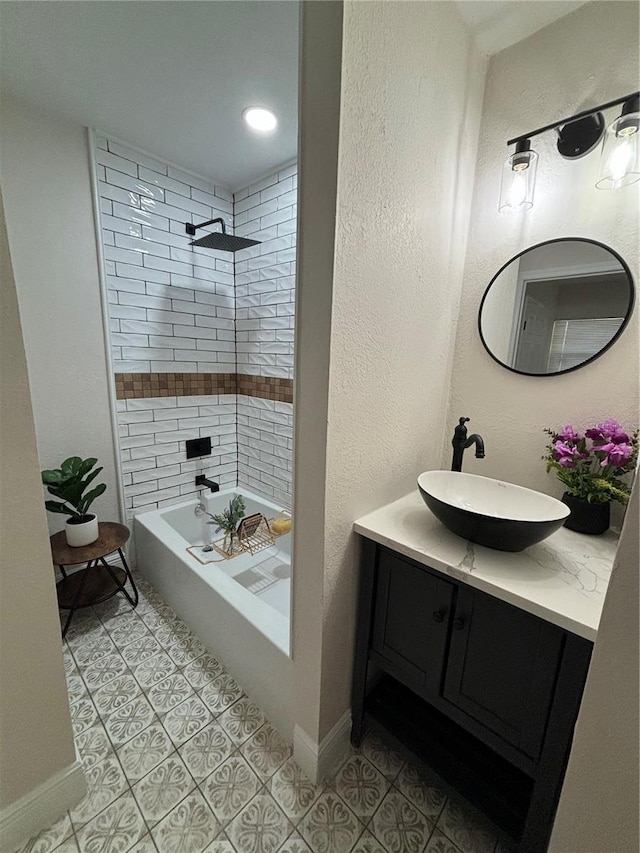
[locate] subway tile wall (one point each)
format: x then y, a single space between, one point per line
265 275
174 308
265 447
265 317
153 432
171 305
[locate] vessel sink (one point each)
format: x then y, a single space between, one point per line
492 513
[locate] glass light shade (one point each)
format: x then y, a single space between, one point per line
518 182
620 157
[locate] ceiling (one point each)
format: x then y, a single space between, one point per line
497 24
174 77
170 77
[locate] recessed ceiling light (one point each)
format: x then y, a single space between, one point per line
260 119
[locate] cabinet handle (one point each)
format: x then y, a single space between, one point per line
459 623
438 615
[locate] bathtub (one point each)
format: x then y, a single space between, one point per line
239 608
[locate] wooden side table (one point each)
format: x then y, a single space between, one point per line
98 581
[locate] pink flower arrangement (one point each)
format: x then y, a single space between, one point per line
591 465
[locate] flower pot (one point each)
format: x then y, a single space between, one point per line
80 533
592 519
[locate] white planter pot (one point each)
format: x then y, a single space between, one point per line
79 535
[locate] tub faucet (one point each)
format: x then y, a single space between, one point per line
460 442
201 480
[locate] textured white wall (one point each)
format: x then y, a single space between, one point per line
598 809
36 738
44 167
411 100
587 58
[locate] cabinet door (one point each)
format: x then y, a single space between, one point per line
502 668
411 620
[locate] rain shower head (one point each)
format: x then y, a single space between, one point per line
219 240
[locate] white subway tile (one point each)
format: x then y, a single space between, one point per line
162 180
159 208
144 450
122 226
169 342
128 271
144 301
160 496
117 163
124 256
166 290
193 180
132 199
178 435
138 157
175 412
137 465
180 240
288 227
194 332
288 199
153 427
152 262
146 247
130 285
152 403
276 190
279 216
157 354
131 366
175 367
163 316
197 308
121 339
188 204
262 184
135 185
140 216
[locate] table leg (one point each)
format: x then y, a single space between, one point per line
121 586
76 597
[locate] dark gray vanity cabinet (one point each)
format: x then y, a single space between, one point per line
502 667
410 624
485 692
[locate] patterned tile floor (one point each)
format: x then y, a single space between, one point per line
179 760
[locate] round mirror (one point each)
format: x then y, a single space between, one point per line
556 306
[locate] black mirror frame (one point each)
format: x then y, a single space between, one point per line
600 352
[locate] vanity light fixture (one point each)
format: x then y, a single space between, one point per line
620 157
518 179
260 119
578 135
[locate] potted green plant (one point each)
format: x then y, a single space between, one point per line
69 483
228 521
591 465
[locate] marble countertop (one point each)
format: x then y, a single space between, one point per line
563 579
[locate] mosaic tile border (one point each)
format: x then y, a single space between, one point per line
131 386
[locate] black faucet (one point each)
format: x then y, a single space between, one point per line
201 480
460 443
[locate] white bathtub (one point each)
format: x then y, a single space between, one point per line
239 608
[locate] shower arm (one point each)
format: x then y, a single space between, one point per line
191 229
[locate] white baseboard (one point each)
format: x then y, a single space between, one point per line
319 761
42 807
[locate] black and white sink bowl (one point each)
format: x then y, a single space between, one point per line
490 512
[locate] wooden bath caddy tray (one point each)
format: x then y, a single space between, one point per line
254 534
